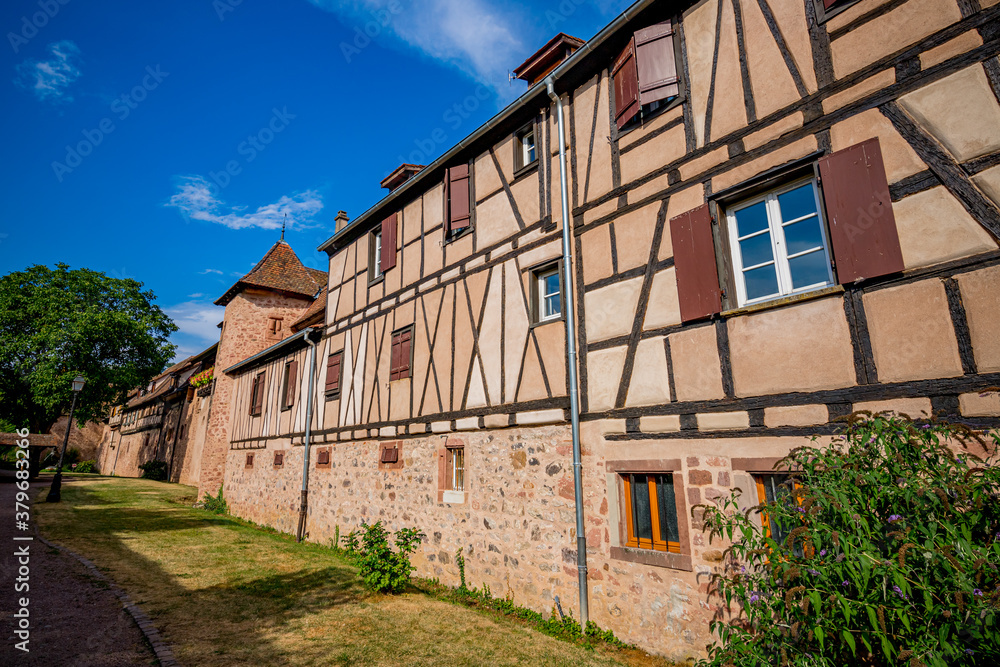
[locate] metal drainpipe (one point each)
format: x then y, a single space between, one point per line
117 450
305 443
574 397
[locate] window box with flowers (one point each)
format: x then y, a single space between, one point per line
203 381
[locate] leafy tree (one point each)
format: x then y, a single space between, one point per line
890 557
58 323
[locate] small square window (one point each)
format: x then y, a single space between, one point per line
525 152
779 244
249 461
279 459
546 293
390 454
401 354
274 328
375 255
651 512
323 457
456 469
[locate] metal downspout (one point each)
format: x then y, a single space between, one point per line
117 450
574 397
308 437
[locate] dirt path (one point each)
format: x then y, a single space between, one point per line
75 620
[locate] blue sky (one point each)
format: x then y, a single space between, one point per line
122 119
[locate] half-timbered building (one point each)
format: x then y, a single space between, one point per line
782 211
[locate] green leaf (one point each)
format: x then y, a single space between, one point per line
849 639
820 636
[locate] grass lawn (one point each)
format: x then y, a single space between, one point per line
224 592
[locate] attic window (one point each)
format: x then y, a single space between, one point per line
645 75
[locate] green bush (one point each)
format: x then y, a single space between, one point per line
215 504
385 570
86 466
891 555
155 470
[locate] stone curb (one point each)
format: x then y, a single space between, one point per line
163 651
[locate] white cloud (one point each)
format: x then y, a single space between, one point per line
49 79
208 271
196 320
476 36
196 200
196 295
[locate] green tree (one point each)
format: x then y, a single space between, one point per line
58 323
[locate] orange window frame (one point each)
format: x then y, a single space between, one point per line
633 540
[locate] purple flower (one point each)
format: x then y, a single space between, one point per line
814 573
977 592
899 592
925 426
845 583
822 552
801 509
895 517
754 598
969 651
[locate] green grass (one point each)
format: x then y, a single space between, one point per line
223 591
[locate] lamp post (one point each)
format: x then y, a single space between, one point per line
55 492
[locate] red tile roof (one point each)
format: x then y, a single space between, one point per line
279 270
314 315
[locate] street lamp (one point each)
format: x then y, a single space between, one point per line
55 492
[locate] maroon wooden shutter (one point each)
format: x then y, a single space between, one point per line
333 363
293 369
626 79
459 208
253 394
405 348
258 397
656 64
694 262
859 213
388 243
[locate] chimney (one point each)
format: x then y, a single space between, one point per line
547 58
341 220
400 175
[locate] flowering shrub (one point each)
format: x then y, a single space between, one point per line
203 378
891 555
385 570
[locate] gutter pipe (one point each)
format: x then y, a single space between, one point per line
524 100
574 397
308 436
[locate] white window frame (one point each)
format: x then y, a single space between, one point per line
775 227
375 257
453 469
541 295
527 149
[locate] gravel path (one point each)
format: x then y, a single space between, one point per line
76 621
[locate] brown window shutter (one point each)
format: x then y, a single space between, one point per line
388 243
694 262
333 363
827 4
253 394
293 371
626 78
258 402
459 208
859 213
405 345
656 63
394 357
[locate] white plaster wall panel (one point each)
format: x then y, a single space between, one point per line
650 383
934 227
610 311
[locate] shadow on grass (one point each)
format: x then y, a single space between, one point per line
217 624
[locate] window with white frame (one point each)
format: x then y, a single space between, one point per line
375 255
779 243
547 293
456 469
524 147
